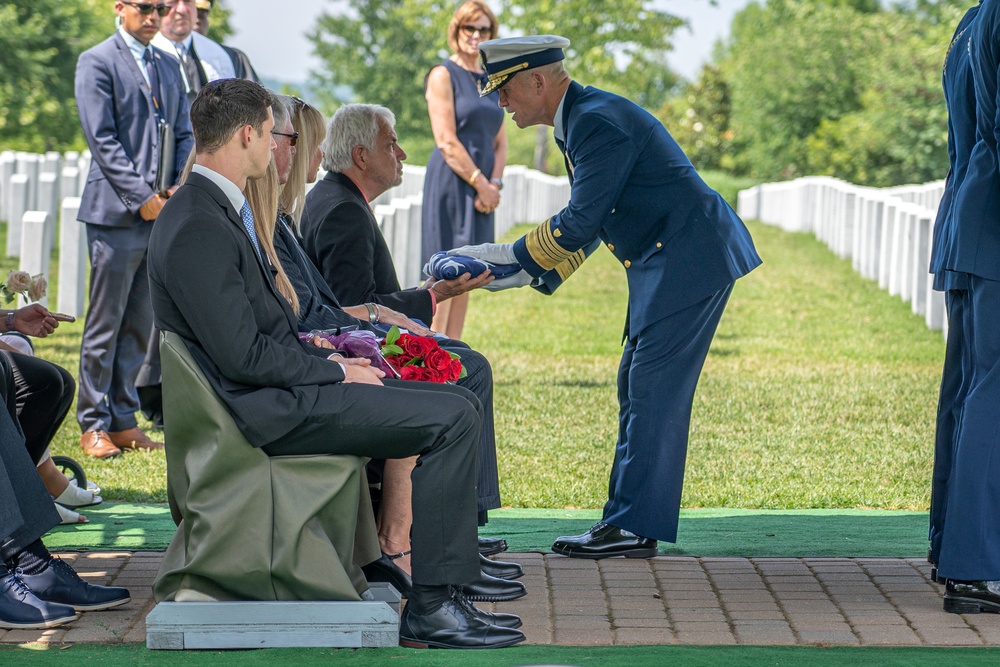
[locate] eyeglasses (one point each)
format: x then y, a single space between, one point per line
147 8
292 138
471 30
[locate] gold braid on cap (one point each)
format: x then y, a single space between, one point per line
496 79
543 248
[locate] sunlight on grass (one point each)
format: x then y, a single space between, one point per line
819 391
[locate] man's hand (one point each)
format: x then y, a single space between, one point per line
519 279
446 289
390 317
151 208
361 373
494 253
34 320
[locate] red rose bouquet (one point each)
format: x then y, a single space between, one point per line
420 358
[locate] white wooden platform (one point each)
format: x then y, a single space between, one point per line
242 625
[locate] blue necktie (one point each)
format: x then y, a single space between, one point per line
154 81
247 216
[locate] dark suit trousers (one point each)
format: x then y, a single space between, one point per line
656 382
440 423
955 380
44 395
26 510
970 546
116 333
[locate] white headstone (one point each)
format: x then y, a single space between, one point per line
69 185
18 207
51 162
30 163
34 254
73 260
8 163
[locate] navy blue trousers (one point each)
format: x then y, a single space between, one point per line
970 545
656 381
955 380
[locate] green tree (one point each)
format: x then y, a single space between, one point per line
698 119
40 41
218 26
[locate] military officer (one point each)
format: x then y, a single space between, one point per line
682 247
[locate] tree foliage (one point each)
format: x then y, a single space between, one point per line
698 118
40 41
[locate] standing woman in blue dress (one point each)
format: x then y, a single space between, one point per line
463 182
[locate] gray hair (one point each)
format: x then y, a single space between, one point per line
281 108
353 125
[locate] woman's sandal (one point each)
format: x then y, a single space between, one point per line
395 556
68 517
74 497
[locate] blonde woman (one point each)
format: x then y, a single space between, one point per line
464 174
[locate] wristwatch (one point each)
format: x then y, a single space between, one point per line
497 182
9 322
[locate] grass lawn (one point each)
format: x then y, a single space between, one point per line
819 391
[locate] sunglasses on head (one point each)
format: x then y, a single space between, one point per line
471 30
147 8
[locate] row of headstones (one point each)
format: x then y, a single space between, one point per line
528 196
885 232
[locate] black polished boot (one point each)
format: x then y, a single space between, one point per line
491 589
493 618
452 625
491 546
500 569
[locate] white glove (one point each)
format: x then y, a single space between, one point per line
494 253
519 279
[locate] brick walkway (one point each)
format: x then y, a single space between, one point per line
764 601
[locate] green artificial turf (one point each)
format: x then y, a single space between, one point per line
702 532
819 391
601 656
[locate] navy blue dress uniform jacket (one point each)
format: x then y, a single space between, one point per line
120 124
634 188
960 98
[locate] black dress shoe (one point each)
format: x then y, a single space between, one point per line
385 571
972 597
61 584
500 569
20 609
604 541
501 620
452 626
491 589
491 546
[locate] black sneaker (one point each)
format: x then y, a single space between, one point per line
61 584
20 609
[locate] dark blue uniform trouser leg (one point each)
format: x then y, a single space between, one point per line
656 382
970 545
955 380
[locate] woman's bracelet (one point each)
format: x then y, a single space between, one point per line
374 312
475 175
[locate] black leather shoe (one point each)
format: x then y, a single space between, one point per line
512 621
61 584
491 546
452 626
491 589
972 597
500 569
20 609
385 571
604 541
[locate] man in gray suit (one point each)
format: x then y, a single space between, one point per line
124 90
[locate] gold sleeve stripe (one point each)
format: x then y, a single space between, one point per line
566 269
542 247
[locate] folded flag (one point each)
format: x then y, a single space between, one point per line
443 266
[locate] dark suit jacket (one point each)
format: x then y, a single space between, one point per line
208 285
120 125
341 236
633 187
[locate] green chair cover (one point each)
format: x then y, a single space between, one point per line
254 527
